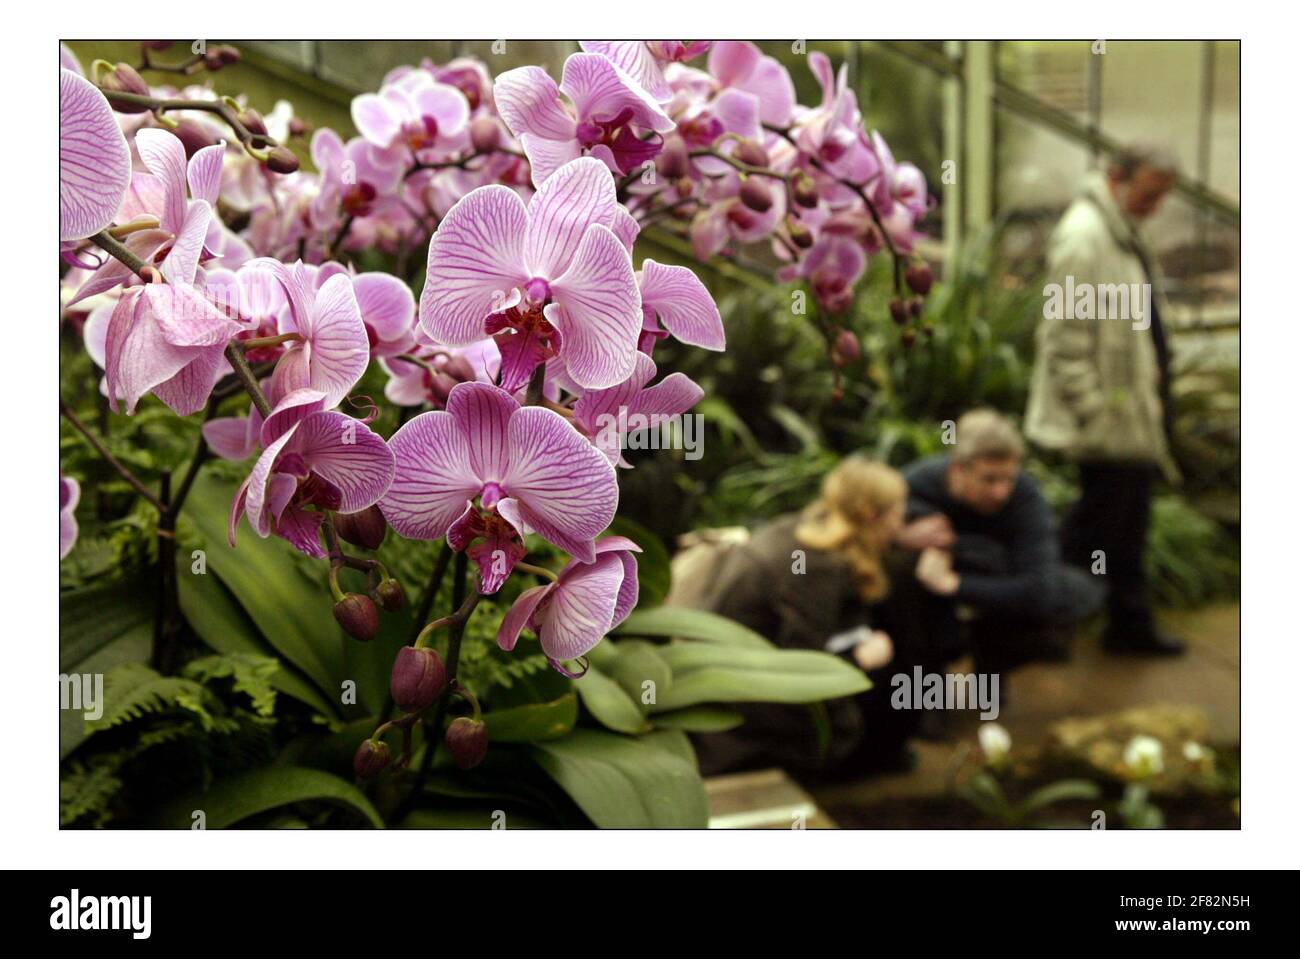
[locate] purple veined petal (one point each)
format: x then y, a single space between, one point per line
483 412
256 499
739 112
562 486
301 529
446 104
595 404
188 391
145 197
683 304
376 119
290 411
339 348
164 155
69 496
732 61
347 453
94 159
601 311
625 227
139 356
95 332
529 102
496 555
204 173
771 83
820 65
577 195
581 609
709 232
292 373
672 396
517 617
386 303
296 286
546 156
601 91
326 150
279 493
475 264
633 57
630 590
186 317
68 60
233 437
432 479
182 261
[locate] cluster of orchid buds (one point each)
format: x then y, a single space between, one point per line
228 268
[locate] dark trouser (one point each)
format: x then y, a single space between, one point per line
1112 515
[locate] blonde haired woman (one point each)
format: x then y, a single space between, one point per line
817 579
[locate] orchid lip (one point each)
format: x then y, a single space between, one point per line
537 291
491 495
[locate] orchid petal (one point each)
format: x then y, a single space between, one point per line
517 617
682 303
601 91
340 350
204 173
348 454
483 412
529 102
577 195
601 320
581 609
433 477
164 155
94 159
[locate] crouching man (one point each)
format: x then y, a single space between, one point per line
984 530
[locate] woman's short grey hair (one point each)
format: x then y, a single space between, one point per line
1130 159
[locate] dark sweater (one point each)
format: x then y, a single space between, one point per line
1005 559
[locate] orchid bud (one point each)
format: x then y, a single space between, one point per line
297 127
159 44
222 55
358 616
800 235
370 759
281 160
123 78
919 278
846 348
484 134
908 337
673 162
898 310
251 119
467 741
748 151
366 528
914 307
755 195
418 678
194 135
805 191
388 594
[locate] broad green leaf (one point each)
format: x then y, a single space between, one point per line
290 609
704 673
606 700
93 618
699 719
236 798
639 662
620 782
533 721
690 624
217 619
1062 791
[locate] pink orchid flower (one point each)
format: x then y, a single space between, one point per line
609 416
69 495
415 113
743 66
355 177
94 160
571 615
334 350
529 468
313 459
168 338
554 273
180 193
674 296
644 60
611 118
411 384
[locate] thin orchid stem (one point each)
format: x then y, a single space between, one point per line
112 460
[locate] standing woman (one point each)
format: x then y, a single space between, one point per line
817 580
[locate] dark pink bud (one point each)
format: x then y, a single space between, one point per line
846 348
253 121
358 616
297 127
755 195
159 44
484 134
370 759
194 135
898 310
418 678
919 278
915 306
388 594
800 235
124 79
467 741
805 191
747 151
366 528
672 161
281 160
